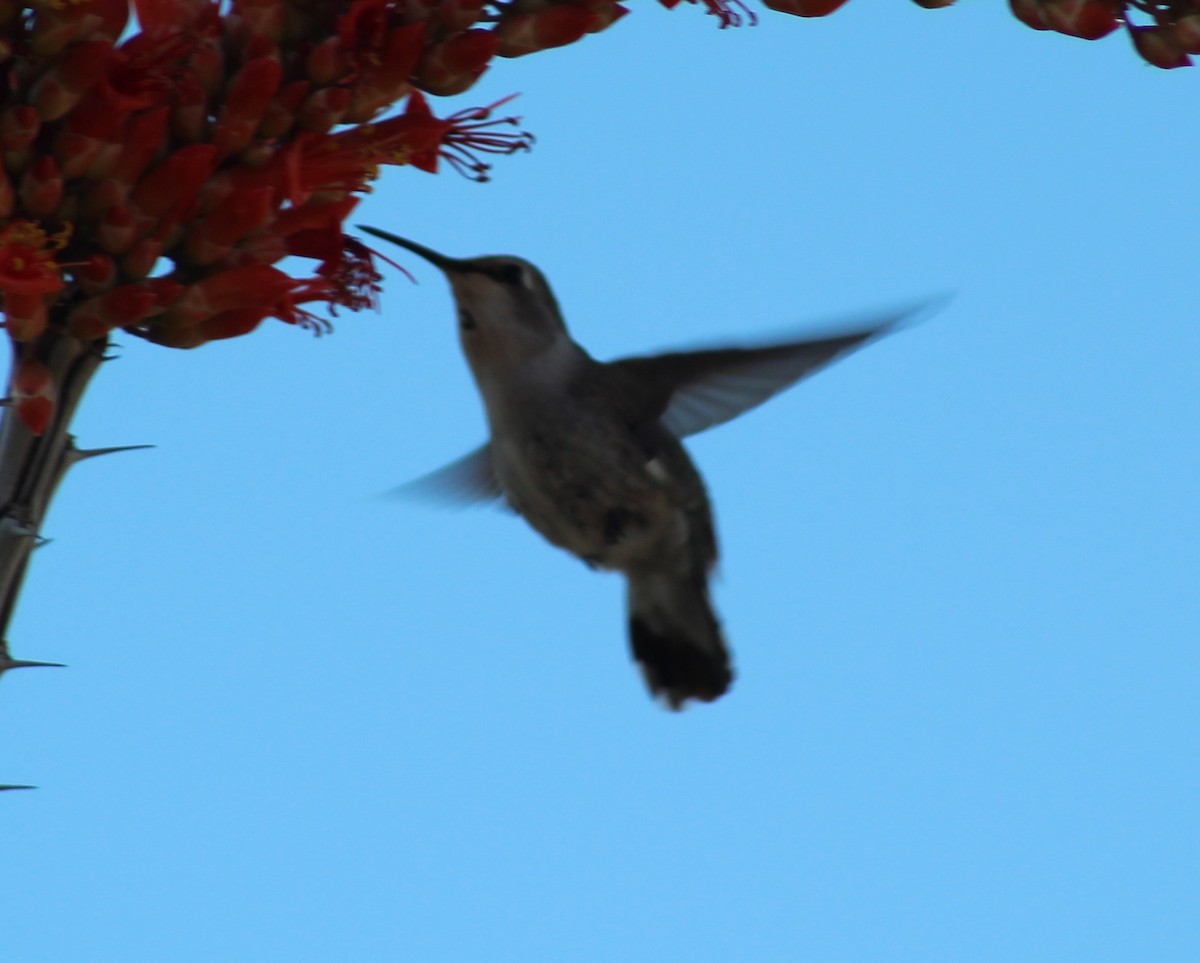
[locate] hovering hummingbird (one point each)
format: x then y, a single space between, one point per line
590 453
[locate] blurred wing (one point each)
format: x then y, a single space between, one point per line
468 481
692 391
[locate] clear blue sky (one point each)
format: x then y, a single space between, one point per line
960 569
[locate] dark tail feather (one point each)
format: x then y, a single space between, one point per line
676 640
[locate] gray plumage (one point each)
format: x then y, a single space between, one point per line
590 453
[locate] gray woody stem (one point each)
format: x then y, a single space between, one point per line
31 466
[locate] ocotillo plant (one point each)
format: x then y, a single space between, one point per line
153 181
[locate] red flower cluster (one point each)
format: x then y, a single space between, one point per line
154 183
1170 34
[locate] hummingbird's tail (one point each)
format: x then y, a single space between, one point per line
676 639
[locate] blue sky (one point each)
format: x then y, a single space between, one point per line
304 722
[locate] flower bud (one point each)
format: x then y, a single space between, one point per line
280 115
121 307
19 126
62 86
1186 33
453 65
41 188
237 214
1158 47
327 62
804 8
555 26
116 232
96 275
143 138
1087 19
33 394
139 260
7 195
607 13
456 15
250 92
1030 12
25 315
170 189
324 110
263 17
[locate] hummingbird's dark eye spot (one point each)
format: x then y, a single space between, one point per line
466 321
510 274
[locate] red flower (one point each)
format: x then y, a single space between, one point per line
155 183
28 272
458 138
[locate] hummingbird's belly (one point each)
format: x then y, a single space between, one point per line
609 506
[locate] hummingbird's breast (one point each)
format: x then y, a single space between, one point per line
588 481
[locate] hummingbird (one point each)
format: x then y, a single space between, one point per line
590 453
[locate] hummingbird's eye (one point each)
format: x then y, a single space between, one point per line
510 274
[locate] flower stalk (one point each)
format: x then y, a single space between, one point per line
33 463
167 181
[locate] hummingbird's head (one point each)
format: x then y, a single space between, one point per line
506 310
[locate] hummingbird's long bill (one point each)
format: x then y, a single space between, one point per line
430 255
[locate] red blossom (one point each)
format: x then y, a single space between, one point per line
27 259
419 138
28 274
154 180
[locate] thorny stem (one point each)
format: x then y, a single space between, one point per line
32 466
